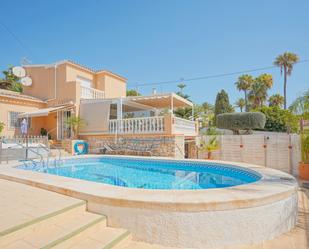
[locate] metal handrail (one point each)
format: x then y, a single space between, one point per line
20 145
30 149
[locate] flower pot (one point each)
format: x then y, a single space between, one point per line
303 171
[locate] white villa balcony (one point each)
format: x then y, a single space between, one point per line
136 115
153 125
91 93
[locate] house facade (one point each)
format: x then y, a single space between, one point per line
65 89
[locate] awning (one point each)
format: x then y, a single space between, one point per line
162 100
43 112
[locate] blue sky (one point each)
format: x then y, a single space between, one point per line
153 41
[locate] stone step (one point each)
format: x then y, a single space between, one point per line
142 245
53 230
97 237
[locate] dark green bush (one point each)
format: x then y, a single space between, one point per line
241 121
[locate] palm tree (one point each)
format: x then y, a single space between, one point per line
300 105
210 146
257 95
244 83
241 103
286 62
258 92
10 81
276 100
75 123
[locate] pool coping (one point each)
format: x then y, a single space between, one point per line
274 186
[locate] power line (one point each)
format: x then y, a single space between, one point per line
210 76
21 44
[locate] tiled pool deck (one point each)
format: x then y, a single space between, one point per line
22 204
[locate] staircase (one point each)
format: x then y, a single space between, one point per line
55 147
72 227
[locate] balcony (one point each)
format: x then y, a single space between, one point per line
91 93
153 125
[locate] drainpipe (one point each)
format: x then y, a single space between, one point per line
55 81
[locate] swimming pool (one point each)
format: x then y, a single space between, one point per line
151 174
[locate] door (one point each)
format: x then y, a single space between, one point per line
63 129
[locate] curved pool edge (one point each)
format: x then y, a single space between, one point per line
209 218
273 186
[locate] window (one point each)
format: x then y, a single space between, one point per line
14 121
84 82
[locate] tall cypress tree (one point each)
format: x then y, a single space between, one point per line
222 104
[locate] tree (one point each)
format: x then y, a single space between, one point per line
75 123
10 81
240 103
279 120
222 104
181 86
241 121
133 92
210 146
286 62
258 93
244 83
300 105
276 100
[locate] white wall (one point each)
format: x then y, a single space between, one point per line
282 151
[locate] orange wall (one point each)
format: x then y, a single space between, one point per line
67 89
43 85
113 86
10 105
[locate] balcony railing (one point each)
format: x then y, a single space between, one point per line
151 125
91 93
137 125
184 126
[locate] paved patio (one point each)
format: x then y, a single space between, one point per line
22 204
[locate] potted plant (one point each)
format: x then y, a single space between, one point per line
304 164
75 123
210 146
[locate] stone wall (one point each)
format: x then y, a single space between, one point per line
158 145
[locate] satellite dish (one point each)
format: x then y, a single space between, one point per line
26 81
19 71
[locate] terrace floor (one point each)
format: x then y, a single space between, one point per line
23 205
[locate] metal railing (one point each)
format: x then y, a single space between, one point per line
22 145
91 93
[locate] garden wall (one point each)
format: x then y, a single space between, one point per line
279 151
160 145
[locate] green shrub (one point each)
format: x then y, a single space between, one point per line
305 147
241 121
1 127
279 120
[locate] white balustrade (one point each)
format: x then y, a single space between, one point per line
91 93
184 126
137 125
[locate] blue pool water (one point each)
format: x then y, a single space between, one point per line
151 174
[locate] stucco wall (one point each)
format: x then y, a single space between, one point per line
44 85
278 151
7 105
113 86
207 229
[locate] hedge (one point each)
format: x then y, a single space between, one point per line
241 121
